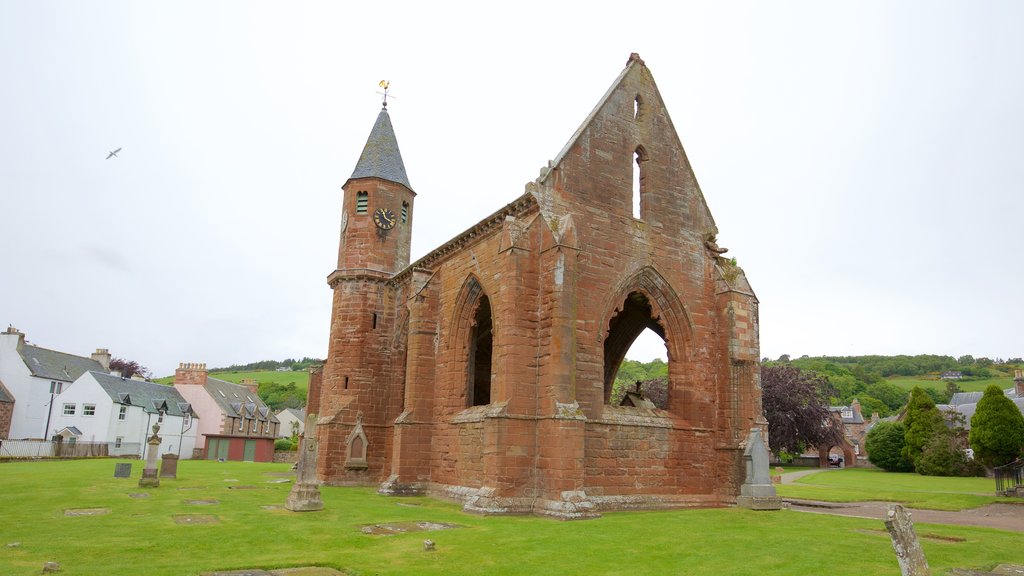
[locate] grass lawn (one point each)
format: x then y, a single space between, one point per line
912 489
908 382
300 378
140 535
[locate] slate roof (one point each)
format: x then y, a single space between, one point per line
55 365
299 413
236 400
5 394
149 395
856 419
73 429
965 398
381 157
970 408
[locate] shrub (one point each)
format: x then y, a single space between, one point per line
997 429
884 444
923 422
941 457
284 445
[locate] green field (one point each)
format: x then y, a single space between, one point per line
300 378
908 382
250 530
864 484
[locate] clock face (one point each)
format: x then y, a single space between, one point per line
384 218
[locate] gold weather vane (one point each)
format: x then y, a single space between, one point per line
384 84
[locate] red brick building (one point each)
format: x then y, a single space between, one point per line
482 371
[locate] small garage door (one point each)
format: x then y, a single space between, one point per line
250 451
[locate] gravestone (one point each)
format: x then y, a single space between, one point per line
169 466
122 470
757 491
904 541
149 473
305 493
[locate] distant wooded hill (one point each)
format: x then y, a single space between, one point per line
879 383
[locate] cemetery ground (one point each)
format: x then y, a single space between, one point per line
230 516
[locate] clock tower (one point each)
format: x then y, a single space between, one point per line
364 368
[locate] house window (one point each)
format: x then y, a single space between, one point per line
69 409
266 428
56 387
241 424
88 409
123 413
362 202
117 441
187 419
160 418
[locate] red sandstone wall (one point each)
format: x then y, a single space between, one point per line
555 278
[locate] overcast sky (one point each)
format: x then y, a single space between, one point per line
864 161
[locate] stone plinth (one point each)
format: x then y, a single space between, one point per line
149 473
757 491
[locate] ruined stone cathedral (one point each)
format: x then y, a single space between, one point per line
482 372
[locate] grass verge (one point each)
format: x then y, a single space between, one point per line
911 489
140 535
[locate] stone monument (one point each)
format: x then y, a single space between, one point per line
904 541
169 466
150 479
757 491
305 494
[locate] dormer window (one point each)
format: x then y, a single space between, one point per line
362 202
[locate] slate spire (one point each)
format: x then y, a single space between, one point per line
381 157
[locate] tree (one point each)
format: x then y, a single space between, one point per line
794 405
893 396
884 444
923 421
129 368
997 429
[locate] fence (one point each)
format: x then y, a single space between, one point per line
1010 478
48 449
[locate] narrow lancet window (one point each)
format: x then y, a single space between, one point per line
637 182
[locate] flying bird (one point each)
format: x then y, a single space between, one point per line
113 154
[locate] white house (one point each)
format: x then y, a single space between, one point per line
293 421
121 412
35 377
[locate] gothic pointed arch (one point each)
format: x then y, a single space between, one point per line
644 300
473 340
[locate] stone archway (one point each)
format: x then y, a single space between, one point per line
645 301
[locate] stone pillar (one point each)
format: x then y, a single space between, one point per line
757 491
169 466
149 473
905 543
561 427
305 493
410 461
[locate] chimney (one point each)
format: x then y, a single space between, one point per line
856 407
1018 383
14 332
102 355
190 373
251 384
874 417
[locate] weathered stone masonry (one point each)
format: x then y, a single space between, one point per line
482 371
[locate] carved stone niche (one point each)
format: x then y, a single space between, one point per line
355 454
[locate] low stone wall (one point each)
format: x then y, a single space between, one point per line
286 456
